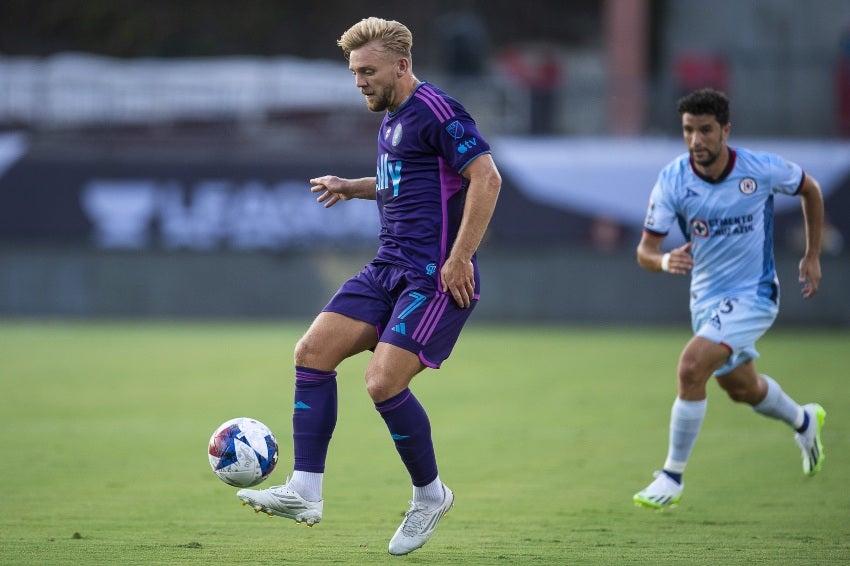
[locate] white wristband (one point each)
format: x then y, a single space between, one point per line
665 262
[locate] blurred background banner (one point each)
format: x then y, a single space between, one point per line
154 159
136 200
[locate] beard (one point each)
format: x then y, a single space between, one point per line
708 160
376 104
379 100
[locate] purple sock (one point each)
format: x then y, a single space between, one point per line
313 417
411 431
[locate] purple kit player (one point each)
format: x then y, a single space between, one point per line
436 187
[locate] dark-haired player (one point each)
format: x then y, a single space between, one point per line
722 197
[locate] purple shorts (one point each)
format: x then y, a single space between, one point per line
406 308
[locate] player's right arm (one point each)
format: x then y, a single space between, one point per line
650 256
660 215
333 189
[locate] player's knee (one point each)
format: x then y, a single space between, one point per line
306 353
691 381
738 394
743 385
690 372
380 387
741 392
377 389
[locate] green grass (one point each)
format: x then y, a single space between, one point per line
544 434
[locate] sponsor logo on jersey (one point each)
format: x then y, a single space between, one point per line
389 174
729 226
699 228
466 145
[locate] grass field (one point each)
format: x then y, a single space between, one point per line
544 434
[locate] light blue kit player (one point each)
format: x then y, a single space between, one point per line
722 198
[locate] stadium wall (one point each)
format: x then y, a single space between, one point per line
555 285
230 231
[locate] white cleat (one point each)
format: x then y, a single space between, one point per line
419 524
809 440
661 493
283 501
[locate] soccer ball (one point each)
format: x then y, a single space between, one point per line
243 452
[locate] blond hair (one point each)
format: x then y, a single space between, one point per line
394 36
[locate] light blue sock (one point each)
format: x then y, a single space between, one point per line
778 405
685 421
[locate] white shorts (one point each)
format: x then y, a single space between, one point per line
736 322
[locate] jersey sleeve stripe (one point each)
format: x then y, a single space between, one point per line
441 116
427 90
436 103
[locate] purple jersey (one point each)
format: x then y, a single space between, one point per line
422 149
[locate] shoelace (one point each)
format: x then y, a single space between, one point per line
279 490
414 519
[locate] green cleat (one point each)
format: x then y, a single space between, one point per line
809 440
661 493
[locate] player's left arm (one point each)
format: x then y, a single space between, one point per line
485 182
812 203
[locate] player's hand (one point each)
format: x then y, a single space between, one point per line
332 189
810 276
680 261
458 278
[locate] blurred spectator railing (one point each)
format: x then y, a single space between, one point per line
72 91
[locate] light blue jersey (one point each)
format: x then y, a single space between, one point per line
729 222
